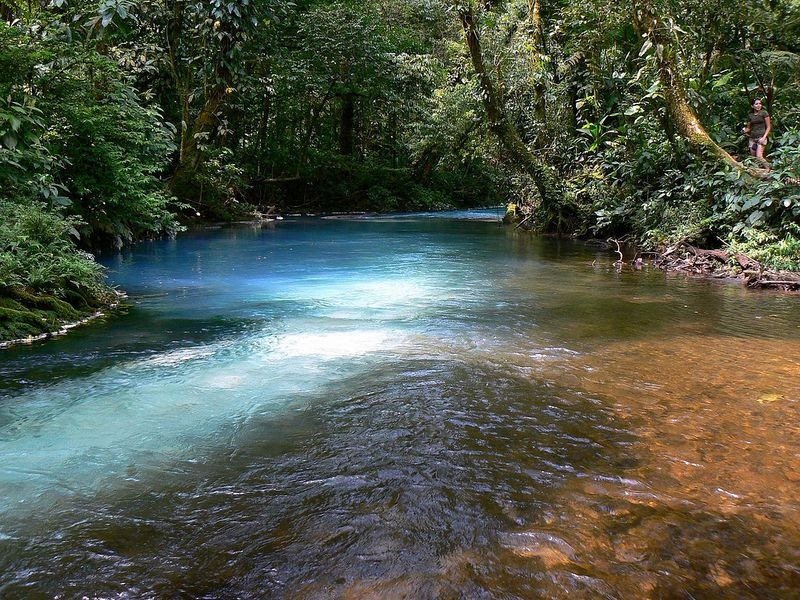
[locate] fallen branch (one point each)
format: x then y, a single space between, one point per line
777 282
676 246
720 255
518 225
618 250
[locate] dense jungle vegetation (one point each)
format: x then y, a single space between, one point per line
127 119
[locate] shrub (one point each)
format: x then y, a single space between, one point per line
37 251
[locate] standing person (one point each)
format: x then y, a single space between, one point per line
757 129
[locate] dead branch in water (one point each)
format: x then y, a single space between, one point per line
618 250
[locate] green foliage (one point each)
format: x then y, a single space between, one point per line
80 159
604 123
762 217
774 249
321 105
74 131
772 202
37 251
220 182
348 185
113 149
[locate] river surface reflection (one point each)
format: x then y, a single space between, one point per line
429 406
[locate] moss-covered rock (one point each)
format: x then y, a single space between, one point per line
80 302
20 322
45 302
11 304
25 312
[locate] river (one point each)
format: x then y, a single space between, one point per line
422 406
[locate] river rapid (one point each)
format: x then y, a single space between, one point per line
422 406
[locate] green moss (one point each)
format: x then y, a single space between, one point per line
25 313
14 330
29 317
80 301
9 303
45 302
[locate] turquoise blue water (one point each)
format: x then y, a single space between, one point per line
224 325
374 391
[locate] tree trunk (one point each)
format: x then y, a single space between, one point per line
347 124
536 33
190 152
544 177
687 123
193 130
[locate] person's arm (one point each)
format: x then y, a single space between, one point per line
768 121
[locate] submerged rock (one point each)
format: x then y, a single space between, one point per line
551 549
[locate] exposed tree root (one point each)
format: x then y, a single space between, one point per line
685 258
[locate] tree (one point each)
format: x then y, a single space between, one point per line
657 37
544 177
76 135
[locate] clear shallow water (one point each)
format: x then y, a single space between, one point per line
426 406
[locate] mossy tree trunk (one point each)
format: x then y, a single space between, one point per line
544 176
536 35
649 25
197 129
191 154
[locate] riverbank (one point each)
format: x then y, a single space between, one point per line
27 317
685 258
720 264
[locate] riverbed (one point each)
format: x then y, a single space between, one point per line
418 406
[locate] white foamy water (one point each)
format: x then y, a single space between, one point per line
316 320
90 434
333 345
384 298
